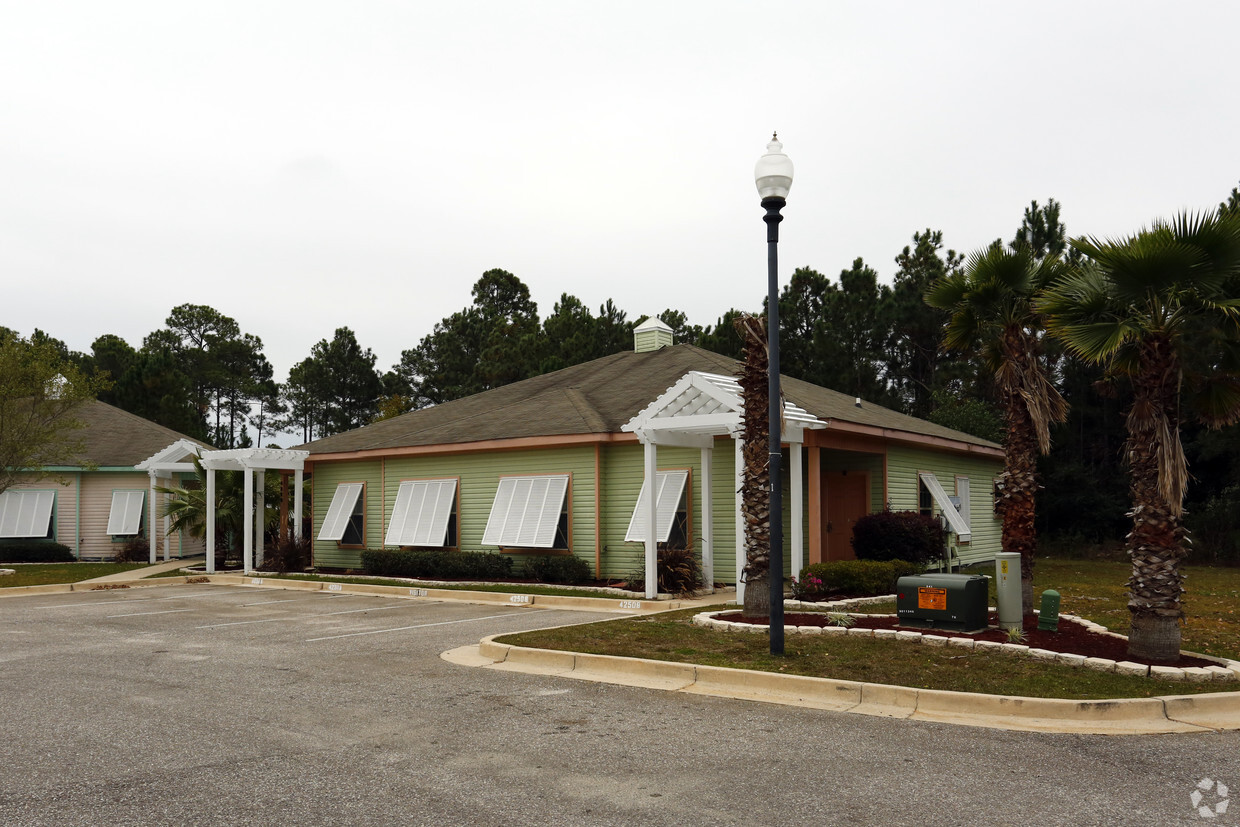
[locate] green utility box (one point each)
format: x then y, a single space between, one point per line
952 602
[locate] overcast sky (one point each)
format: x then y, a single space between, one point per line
306 165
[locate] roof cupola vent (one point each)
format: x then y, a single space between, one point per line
651 335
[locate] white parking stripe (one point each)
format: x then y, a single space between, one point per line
242 623
320 614
425 625
370 609
140 614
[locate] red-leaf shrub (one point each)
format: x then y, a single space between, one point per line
899 535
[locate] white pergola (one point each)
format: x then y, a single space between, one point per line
254 462
177 458
690 414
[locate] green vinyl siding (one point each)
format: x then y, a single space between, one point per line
623 470
479 475
325 478
622 480
903 466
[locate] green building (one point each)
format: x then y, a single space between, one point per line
556 464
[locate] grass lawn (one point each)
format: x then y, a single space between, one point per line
1093 589
40 574
1096 590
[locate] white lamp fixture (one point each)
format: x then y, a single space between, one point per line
773 172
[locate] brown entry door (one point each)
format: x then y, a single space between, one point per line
848 499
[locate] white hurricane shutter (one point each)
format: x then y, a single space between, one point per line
125 518
339 512
526 512
948 510
26 513
671 487
421 513
962 491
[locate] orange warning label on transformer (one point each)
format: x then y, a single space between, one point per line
929 597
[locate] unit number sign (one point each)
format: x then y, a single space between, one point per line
931 598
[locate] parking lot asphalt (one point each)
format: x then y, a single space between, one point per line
211 704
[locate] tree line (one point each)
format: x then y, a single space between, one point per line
202 375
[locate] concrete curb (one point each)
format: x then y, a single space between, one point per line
625 606
620 606
1120 716
1222 669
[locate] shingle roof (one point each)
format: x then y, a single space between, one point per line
116 438
596 398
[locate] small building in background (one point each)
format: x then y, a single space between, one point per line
105 500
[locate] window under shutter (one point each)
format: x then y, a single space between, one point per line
26 513
526 512
421 513
671 487
125 518
948 510
339 512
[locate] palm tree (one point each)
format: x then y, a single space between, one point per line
1162 308
991 302
755 478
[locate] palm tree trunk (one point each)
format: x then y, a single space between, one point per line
1018 501
1156 545
755 478
1020 457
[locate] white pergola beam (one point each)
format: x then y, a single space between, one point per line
708 517
798 510
650 506
210 503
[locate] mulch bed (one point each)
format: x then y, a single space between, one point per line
1072 637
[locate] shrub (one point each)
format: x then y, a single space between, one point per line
857 578
899 535
467 565
287 554
35 551
550 568
678 572
133 551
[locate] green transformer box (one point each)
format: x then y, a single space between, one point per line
952 602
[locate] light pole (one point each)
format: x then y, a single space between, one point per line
773 176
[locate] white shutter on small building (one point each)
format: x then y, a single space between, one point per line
671 487
26 513
962 491
339 512
957 522
526 511
125 517
421 514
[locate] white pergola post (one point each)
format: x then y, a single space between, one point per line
260 515
297 477
167 532
798 510
210 505
650 507
708 524
151 521
247 523
740 519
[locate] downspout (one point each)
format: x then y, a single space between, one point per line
598 499
77 519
